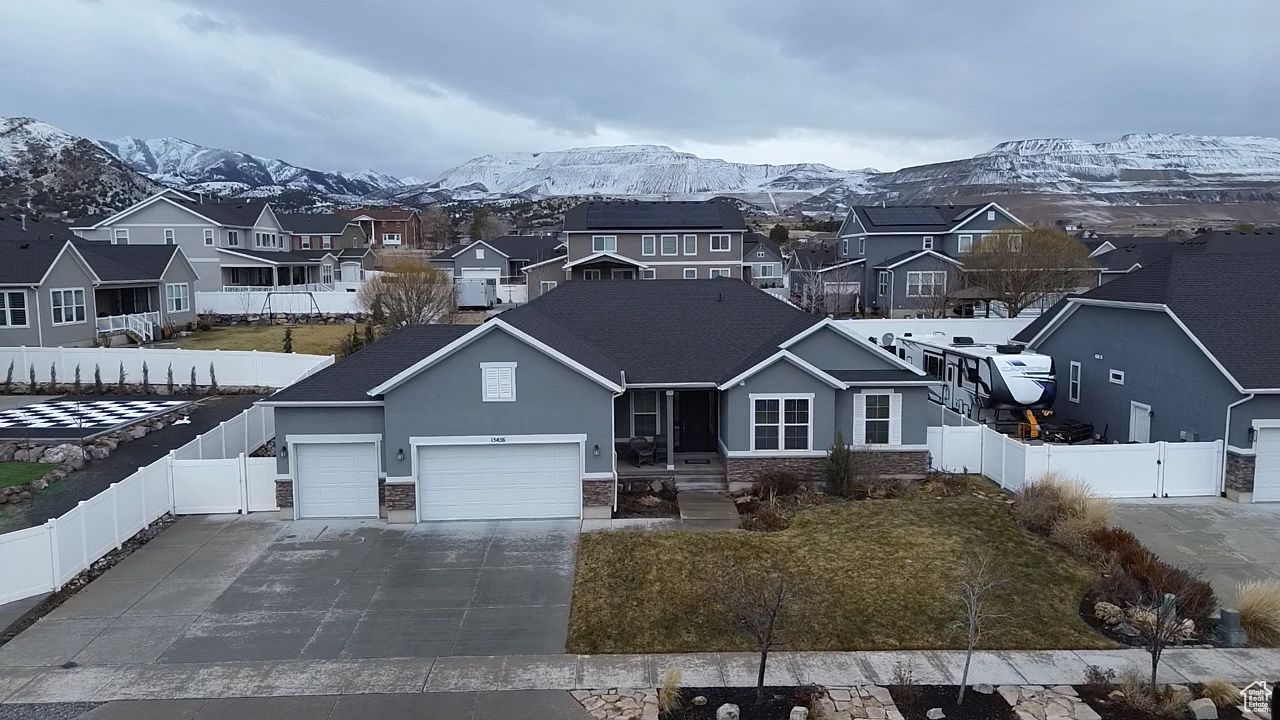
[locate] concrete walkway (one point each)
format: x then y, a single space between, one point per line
101 683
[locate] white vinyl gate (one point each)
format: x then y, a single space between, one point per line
1266 467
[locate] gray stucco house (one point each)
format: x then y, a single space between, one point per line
763 264
1182 350
907 255
58 290
530 414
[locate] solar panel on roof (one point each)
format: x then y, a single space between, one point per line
654 215
904 216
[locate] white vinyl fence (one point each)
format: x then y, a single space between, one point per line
982 330
234 368
1158 469
258 303
217 477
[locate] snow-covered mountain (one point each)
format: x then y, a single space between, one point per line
182 164
44 168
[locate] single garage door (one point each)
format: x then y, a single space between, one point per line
1266 468
337 480
499 481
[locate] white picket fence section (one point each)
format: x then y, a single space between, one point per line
217 477
257 303
1159 469
234 368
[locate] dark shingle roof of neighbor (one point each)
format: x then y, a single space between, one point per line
313 223
1217 297
515 247
350 379
1037 324
26 262
751 240
912 218
651 215
343 254
662 331
26 254
814 257
121 263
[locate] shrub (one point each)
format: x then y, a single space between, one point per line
669 690
1094 675
1037 507
837 467
213 381
1166 701
1259 604
1121 545
288 338
1079 501
766 517
1115 587
53 378
1073 535
945 484
192 387
168 381
8 379
120 380
1157 578
76 386
32 386
776 482
146 377
98 388
1222 692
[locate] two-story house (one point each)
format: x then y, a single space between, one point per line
232 245
340 245
390 227
909 256
763 262
643 240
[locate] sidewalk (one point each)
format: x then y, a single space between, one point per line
102 683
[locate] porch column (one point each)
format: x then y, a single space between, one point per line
671 424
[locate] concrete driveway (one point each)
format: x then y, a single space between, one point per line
225 589
1229 541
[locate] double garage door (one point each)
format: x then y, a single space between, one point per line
455 482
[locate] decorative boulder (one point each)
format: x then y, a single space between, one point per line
699 700
935 714
983 688
1204 709
39 484
1108 613
799 713
727 711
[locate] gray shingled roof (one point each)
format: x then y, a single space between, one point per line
26 254
275 256
26 262
313 223
751 240
350 379
653 215
124 263
233 213
911 218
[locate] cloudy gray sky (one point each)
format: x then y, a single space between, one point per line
414 87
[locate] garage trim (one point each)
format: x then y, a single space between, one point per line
292 441
580 439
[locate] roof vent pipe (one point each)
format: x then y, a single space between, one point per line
24 221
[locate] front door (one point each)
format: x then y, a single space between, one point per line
694 430
1139 422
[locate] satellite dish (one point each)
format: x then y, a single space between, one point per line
887 339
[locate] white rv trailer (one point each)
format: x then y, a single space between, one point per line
978 381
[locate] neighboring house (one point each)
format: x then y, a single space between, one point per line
822 281
763 263
525 416
58 290
322 231
652 241
1118 255
910 254
1182 350
498 258
233 245
390 227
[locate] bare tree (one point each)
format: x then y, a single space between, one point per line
979 578
766 605
1158 627
1024 266
437 227
485 225
409 292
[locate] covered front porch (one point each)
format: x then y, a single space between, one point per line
674 431
128 310
606 266
301 277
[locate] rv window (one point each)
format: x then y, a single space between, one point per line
973 375
933 365
951 373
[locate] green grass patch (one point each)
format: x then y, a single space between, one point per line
307 339
882 575
21 473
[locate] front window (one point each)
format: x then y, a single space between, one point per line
168 236
305 242
877 419
390 238
177 297
68 306
1015 242
928 242
648 244
121 236
927 283
546 285
844 247
233 238
883 284
765 270
720 272
720 243
326 273
862 246
780 423
208 237
604 243
649 274
13 308
1073 383
622 274
964 243
690 244
644 413
691 273
670 244
591 274
326 243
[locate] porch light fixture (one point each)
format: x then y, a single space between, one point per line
400 454
595 451
284 451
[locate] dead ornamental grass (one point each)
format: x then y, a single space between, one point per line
881 572
1259 604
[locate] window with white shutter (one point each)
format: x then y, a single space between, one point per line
877 418
499 381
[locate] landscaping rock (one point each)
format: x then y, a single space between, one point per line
1204 709
727 711
839 694
656 486
137 432
935 714
39 484
983 688
699 700
98 452
799 713
1108 613
6 451
1010 694
1126 630
24 495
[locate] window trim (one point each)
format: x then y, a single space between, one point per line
782 421
1115 377
991 216
728 242
327 268
233 238
6 313
882 284
714 273
485 367
387 238
656 414
648 274
609 245
1074 374
546 286
685 274
862 245
326 242
894 437
209 237
479 253
932 283
844 247
927 242
662 244
964 243
591 274
118 234
304 242
648 245
84 304
684 244
170 236
184 295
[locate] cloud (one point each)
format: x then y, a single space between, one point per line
415 87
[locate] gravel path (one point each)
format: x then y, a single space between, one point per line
45 711
83 484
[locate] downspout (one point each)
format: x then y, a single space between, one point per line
1226 443
613 432
35 294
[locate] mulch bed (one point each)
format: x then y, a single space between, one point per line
914 703
778 702
1096 697
79 582
633 505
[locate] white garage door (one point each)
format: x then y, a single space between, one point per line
1266 469
337 480
494 273
499 481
